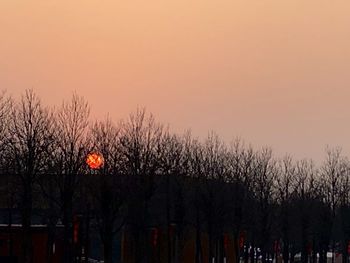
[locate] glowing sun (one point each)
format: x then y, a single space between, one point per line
94 160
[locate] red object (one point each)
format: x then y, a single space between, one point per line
95 160
241 240
39 236
309 248
348 247
171 230
226 241
155 236
277 247
75 230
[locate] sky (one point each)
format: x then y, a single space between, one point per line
272 72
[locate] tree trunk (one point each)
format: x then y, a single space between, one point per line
87 236
345 252
108 248
252 254
303 241
68 233
285 251
50 240
323 255
246 253
210 244
168 218
10 252
292 254
236 247
198 258
26 225
314 252
263 256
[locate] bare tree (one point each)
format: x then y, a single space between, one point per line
264 177
108 187
344 209
6 104
141 138
6 108
194 176
333 174
195 172
241 167
7 186
30 136
306 191
214 195
173 167
72 121
285 186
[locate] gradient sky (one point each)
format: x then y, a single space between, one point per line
274 72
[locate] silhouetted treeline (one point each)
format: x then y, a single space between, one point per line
152 177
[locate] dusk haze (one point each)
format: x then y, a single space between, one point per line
272 72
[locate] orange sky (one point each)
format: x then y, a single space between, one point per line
273 72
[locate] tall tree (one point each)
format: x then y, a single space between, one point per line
30 136
344 210
285 185
108 186
240 177
6 104
194 153
7 186
141 138
173 168
306 191
71 146
214 198
333 173
264 178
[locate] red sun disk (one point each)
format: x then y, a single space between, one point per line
94 160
